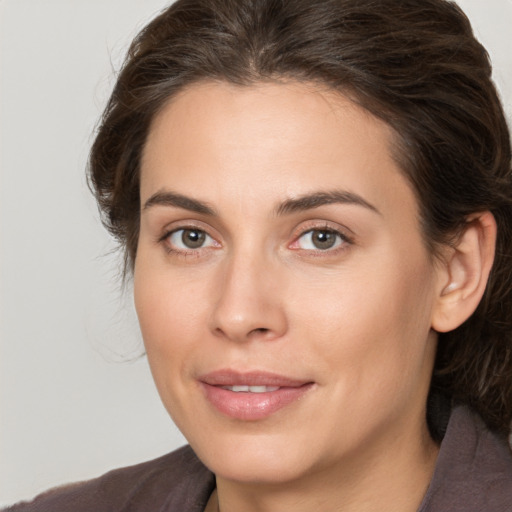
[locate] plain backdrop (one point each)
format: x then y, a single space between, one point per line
76 400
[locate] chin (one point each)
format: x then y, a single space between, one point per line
258 468
256 458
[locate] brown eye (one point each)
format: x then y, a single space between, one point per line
186 239
323 239
320 240
193 238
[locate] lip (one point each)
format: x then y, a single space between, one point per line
251 406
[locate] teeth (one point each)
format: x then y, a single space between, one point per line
239 389
262 389
251 389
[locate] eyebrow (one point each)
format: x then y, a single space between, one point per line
168 198
296 204
317 199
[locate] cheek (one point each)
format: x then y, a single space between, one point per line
371 325
168 316
167 302
171 327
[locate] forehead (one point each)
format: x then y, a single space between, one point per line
270 140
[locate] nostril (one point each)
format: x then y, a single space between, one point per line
261 330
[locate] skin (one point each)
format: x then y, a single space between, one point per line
355 319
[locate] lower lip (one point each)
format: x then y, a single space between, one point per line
253 406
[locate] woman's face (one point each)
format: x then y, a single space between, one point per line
284 293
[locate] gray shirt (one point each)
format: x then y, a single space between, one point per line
473 474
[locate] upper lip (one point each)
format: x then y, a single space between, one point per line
227 377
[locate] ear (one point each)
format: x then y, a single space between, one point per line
464 272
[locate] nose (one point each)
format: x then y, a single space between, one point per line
249 301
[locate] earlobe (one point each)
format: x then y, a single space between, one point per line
464 273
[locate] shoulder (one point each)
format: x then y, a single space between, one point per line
474 468
176 481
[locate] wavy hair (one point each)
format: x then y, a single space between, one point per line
413 63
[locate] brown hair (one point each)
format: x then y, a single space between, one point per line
414 63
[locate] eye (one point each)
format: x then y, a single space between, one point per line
186 239
320 240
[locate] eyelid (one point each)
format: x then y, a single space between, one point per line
345 234
185 225
207 239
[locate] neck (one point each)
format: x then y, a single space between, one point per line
392 478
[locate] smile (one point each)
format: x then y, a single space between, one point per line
251 396
251 389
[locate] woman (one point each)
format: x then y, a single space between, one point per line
315 200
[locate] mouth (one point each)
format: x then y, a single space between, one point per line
251 389
251 396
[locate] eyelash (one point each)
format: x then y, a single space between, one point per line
165 241
341 242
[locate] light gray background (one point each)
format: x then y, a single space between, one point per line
69 409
